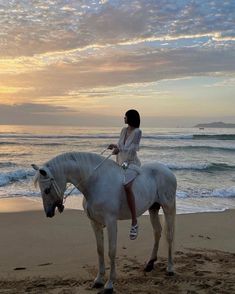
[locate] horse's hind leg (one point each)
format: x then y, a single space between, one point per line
98 230
170 226
157 229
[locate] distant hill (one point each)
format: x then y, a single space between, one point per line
215 125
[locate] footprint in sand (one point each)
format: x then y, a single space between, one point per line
24 268
204 237
45 264
19 268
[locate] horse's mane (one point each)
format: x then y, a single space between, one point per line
54 164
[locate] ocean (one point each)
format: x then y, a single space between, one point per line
202 160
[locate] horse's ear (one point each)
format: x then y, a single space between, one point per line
43 172
34 166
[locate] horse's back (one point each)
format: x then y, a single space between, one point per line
159 170
165 180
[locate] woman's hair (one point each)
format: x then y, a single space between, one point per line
133 118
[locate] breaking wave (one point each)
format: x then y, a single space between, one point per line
15 176
207 167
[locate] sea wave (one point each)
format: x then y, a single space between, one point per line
19 154
227 192
9 143
215 137
50 144
7 164
191 137
207 167
15 176
116 136
224 192
190 148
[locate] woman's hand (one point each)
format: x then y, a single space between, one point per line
115 151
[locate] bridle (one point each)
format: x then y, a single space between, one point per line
53 183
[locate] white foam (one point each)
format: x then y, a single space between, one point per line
202 166
181 194
14 176
225 192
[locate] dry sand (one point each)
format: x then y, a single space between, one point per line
58 255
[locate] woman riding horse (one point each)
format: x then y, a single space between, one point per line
125 150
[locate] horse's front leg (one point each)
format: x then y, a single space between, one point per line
98 230
112 238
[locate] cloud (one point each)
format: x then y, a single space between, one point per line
62 46
32 114
30 108
34 27
119 67
43 114
84 53
229 82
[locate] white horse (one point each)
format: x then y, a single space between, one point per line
105 200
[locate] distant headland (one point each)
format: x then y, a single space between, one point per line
215 125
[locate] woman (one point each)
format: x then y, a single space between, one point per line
125 150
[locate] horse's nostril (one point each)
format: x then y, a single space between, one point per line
60 208
47 190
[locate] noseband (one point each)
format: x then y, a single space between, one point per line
58 191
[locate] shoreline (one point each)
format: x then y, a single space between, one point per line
42 255
184 206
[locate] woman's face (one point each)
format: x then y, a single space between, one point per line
125 119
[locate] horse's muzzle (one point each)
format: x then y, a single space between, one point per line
50 212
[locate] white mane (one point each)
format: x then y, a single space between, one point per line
81 158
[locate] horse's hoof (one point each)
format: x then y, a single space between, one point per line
106 291
150 266
170 274
98 285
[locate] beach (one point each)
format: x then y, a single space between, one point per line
58 255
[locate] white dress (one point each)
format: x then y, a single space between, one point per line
128 147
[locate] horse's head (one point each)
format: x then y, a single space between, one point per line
51 190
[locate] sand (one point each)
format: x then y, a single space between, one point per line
58 255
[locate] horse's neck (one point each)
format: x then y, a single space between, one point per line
80 168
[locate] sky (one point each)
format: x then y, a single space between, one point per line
85 63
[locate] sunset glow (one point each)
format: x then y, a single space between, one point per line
170 60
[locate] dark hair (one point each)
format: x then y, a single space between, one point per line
133 118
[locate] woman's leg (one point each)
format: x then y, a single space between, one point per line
131 202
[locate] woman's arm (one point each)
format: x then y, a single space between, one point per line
116 147
133 146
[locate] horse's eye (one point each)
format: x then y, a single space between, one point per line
47 190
